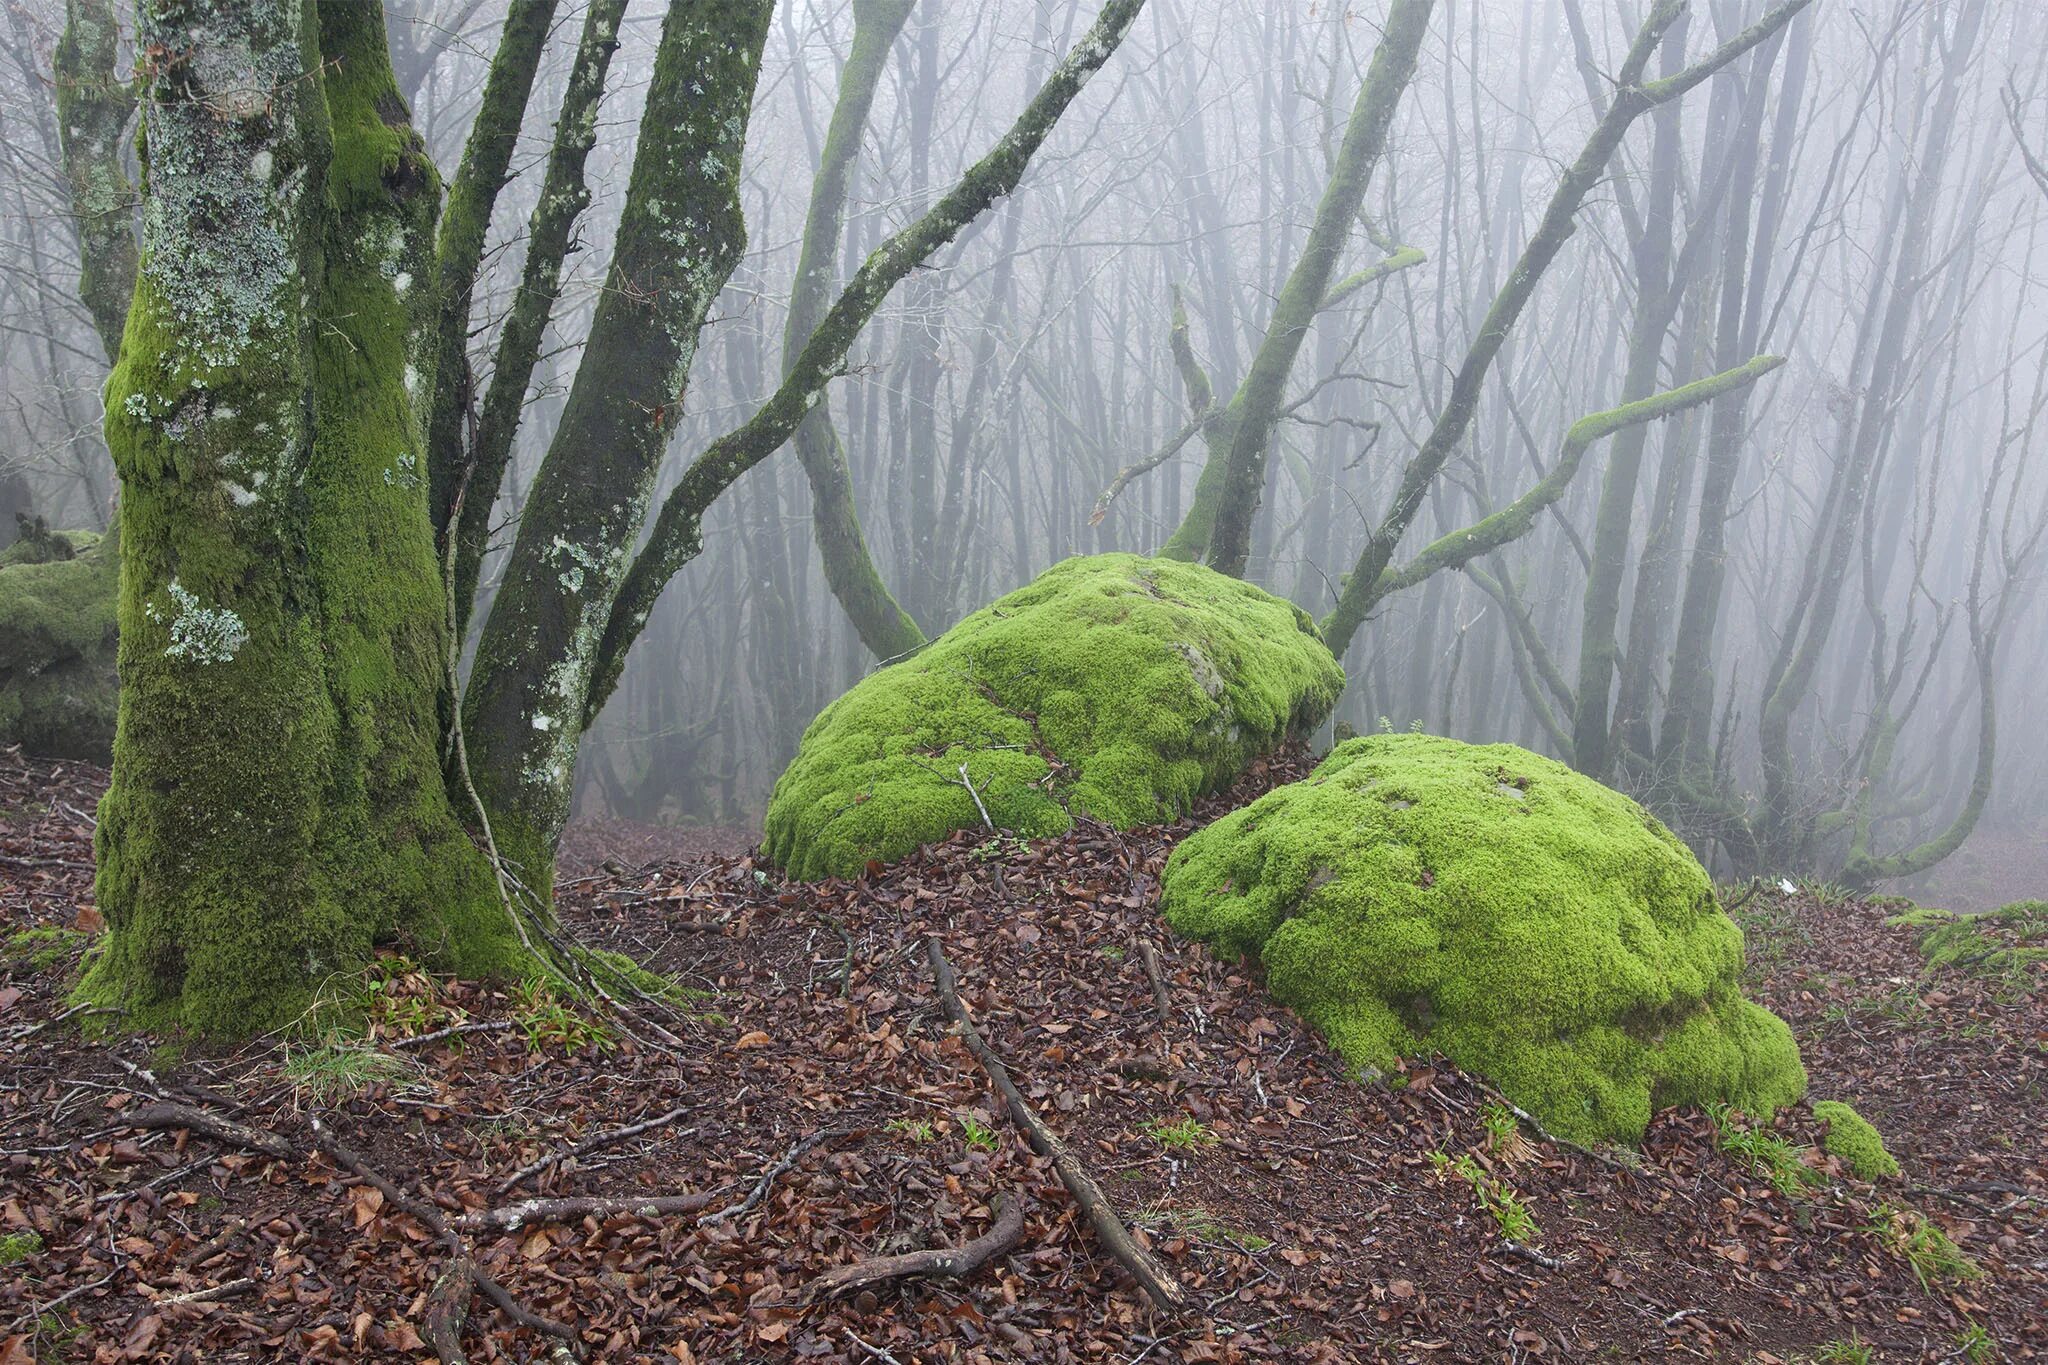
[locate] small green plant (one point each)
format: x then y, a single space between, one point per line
391 995
1180 1135
1002 846
17 1247
1975 1345
1503 1133
917 1130
1850 1352
1113 953
338 1069
1495 1195
1935 1258
1765 1153
980 1137
548 1021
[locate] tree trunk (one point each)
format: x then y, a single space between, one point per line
276 806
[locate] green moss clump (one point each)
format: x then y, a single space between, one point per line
2001 942
1113 686
43 948
1853 1138
58 638
17 1247
1416 895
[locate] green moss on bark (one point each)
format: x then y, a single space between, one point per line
1417 895
1852 1137
1112 685
57 642
277 806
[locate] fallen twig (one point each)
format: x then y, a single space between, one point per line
476 1026
952 1263
1529 1253
174 1116
226 1290
1153 1277
527 1211
874 1352
768 1178
1536 1124
1150 957
216 1244
589 1144
428 1217
965 782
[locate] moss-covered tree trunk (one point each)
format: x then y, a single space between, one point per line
276 805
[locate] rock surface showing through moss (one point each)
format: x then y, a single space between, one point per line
57 642
1416 894
1113 686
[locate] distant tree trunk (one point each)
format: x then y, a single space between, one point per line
884 627
93 110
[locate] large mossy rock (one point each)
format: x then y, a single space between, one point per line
58 640
1113 686
1416 895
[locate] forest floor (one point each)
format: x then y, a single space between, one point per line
821 1112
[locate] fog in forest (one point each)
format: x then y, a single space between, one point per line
1800 617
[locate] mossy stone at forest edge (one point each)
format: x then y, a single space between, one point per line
1114 686
1416 895
1855 1140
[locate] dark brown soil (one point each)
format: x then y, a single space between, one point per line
1302 1210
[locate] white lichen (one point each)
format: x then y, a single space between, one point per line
199 634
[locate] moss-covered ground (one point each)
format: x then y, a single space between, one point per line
1417 895
1111 686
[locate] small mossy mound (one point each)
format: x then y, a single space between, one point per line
1416 895
1853 1138
58 639
1113 686
2005 942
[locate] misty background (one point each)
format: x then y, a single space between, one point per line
1857 198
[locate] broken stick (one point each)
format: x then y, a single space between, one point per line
1158 1284
951 1263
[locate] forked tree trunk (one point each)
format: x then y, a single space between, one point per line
277 805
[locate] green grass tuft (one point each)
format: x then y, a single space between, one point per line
339 1069
1180 1135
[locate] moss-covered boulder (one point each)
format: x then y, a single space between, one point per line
57 644
1112 685
1416 895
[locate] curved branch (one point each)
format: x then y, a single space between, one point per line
677 536
1632 99
1515 520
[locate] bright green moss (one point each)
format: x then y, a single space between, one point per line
2002 942
1112 685
57 643
1851 1137
1416 895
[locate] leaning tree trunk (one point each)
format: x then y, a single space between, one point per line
277 806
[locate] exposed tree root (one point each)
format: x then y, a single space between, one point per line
952 1263
1158 1284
